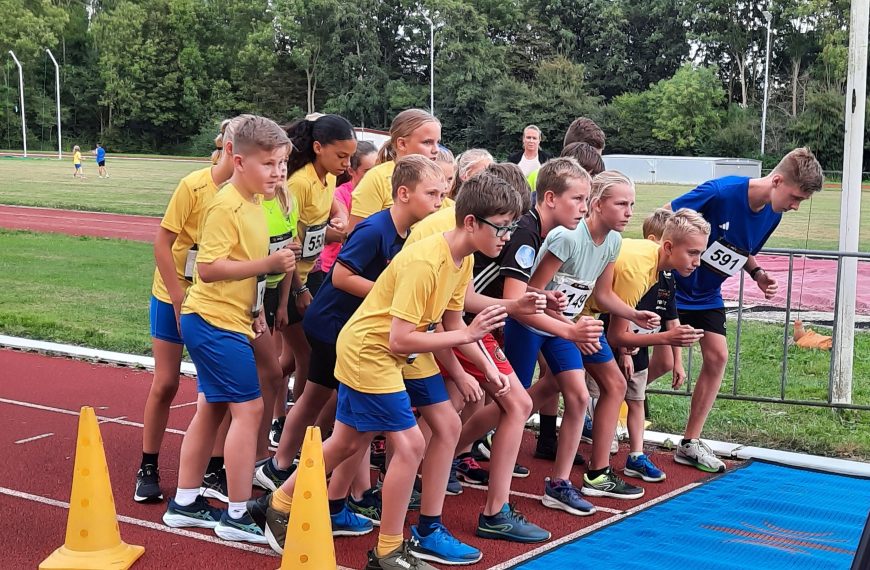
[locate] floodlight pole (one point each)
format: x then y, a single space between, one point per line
57 98
21 98
431 64
850 203
769 17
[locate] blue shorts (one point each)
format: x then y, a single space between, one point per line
225 367
374 412
427 391
163 325
602 356
521 346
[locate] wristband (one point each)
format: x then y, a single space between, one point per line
754 272
301 290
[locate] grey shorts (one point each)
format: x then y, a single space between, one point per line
635 391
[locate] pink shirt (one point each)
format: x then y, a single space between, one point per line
330 252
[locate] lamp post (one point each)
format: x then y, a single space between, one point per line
21 99
57 98
769 17
431 63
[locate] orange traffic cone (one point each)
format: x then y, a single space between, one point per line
309 534
93 539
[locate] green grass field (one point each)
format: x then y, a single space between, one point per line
144 187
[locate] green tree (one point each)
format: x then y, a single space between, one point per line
687 107
821 126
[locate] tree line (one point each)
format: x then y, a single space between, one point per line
660 76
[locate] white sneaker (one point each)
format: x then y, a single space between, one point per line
699 455
614 445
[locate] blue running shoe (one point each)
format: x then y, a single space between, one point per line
242 529
348 523
641 466
587 429
368 507
561 494
197 514
509 524
454 487
442 547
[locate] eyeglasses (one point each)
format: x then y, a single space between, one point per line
500 231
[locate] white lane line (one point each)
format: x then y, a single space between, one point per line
34 438
584 531
184 405
112 420
76 413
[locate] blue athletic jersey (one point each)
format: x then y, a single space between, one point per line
101 154
367 252
724 203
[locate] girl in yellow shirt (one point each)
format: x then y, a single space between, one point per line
77 163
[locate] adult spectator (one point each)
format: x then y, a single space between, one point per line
531 157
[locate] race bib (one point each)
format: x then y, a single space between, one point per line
190 263
430 329
279 242
637 330
723 258
258 299
315 239
576 290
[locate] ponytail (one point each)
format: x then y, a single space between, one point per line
403 125
325 129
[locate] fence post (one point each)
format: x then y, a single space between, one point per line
850 204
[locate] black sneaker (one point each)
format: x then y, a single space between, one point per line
197 514
520 471
276 529
609 484
214 486
270 478
400 559
511 525
378 454
257 509
276 431
546 449
469 471
148 485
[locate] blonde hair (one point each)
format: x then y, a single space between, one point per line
413 169
604 183
285 200
464 163
536 129
253 131
685 222
76 148
219 141
800 167
654 224
444 156
555 174
403 125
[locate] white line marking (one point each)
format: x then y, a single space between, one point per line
584 531
176 406
34 438
112 420
76 413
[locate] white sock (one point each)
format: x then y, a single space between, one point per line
237 510
635 454
185 497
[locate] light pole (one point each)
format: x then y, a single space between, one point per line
769 17
57 97
21 99
431 64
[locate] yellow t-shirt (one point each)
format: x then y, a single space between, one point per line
439 222
183 216
418 286
636 270
233 228
374 192
314 200
77 157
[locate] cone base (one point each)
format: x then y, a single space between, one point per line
118 557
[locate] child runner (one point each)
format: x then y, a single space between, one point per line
425 284
681 239
221 315
447 163
175 249
77 163
743 213
100 153
413 131
468 164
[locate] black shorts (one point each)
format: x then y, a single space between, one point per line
322 368
101 163
708 320
315 280
270 305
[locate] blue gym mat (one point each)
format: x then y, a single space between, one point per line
763 516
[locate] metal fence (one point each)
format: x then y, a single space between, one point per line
734 392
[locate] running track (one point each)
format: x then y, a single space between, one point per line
39 400
136 228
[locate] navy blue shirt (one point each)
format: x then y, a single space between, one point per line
724 203
367 252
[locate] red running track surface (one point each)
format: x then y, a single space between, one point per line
136 228
42 395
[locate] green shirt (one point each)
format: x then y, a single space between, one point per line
281 229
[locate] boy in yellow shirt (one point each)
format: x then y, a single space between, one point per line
221 314
424 285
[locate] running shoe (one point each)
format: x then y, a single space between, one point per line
643 467
509 524
699 455
587 429
276 431
561 494
484 445
197 514
442 547
276 529
214 486
148 485
520 471
270 477
257 509
547 449
242 529
378 454
399 559
470 471
347 523
454 487
369 506
609 484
